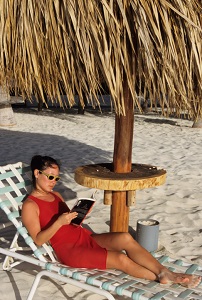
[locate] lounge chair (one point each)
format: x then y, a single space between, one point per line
15 183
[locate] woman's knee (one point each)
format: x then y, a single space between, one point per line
116 260
127 238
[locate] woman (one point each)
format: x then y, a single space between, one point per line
48 218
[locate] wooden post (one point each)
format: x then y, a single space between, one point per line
122 162
6 112
131 198
108 197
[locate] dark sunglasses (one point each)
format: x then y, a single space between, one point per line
50 177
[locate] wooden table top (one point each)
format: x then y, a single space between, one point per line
101 176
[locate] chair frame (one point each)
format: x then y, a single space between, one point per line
15 183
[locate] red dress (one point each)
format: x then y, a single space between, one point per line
72 244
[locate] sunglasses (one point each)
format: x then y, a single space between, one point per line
50 177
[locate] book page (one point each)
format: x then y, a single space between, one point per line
82 207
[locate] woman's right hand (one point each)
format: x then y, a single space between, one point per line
66 218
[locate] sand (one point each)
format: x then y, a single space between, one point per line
77 140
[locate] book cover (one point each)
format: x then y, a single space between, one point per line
82 207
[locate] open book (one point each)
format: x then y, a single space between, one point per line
82 207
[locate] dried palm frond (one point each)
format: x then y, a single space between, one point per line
73 47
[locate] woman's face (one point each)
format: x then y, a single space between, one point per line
46 179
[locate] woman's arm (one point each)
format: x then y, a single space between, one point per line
30 219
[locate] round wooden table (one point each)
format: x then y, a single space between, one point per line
101 176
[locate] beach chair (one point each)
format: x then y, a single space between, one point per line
15 183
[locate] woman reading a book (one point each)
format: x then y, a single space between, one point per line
48 219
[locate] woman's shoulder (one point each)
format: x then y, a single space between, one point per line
29 201
29 205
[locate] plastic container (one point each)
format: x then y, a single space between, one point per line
147 234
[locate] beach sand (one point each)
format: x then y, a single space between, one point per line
169 143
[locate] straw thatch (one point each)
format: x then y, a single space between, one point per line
54 47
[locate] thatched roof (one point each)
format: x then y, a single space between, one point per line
74 46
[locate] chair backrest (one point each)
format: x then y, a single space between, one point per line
15 185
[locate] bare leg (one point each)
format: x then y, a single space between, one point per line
118 260
138 262
136 253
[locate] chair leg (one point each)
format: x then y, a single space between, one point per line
82 285
35 285
9 262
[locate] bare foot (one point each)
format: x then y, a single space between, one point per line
186 280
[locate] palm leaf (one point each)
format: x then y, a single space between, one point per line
73 47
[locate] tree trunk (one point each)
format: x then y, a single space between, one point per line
6 112
81 108
122 162
198 123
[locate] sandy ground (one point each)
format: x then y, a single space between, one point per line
78 140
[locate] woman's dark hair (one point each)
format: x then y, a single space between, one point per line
41 163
